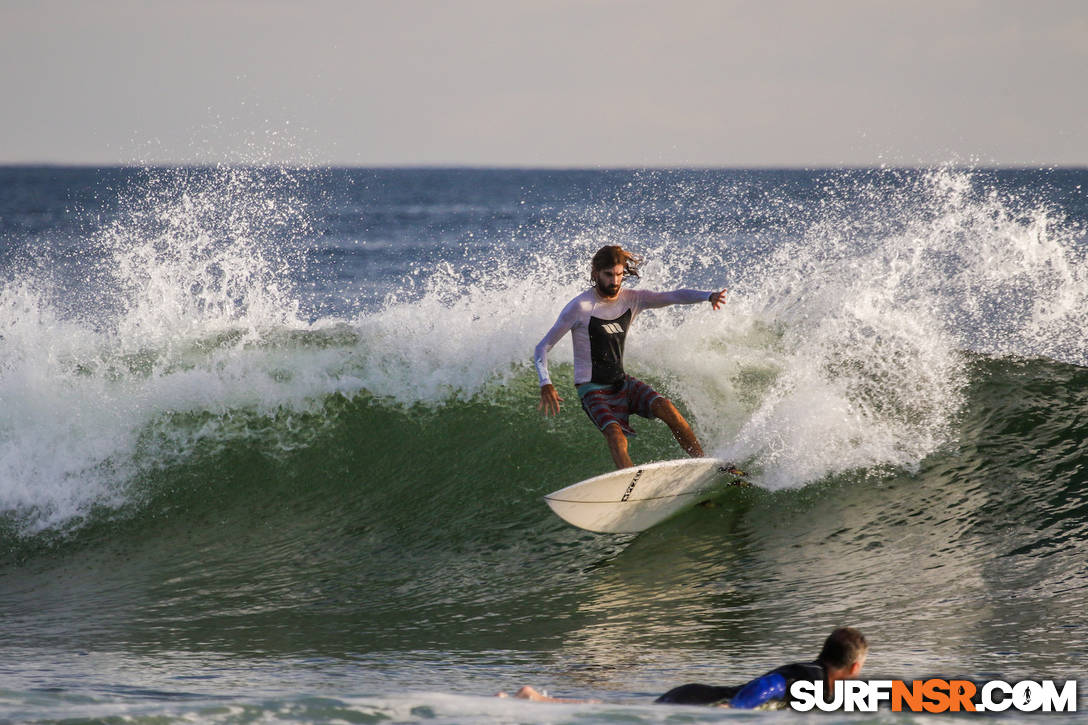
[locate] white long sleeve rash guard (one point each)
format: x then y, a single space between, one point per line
599 327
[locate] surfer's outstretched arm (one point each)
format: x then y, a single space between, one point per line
649 300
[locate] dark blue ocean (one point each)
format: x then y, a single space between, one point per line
270 448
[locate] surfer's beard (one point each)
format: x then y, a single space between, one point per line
608 290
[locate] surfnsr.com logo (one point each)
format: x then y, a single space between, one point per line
936 695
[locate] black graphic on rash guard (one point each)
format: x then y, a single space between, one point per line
606 338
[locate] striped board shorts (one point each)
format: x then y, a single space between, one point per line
608 406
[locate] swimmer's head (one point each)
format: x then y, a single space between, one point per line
844 651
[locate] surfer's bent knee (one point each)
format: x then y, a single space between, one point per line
613 429
663 408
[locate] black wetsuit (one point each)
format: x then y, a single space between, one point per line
696 694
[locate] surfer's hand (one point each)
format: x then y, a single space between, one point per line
549 400
717 299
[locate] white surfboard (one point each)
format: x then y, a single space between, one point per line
634 499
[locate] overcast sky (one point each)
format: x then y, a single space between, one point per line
586 83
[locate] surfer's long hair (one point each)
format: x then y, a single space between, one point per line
610 256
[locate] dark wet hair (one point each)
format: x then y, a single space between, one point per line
613 254
843 647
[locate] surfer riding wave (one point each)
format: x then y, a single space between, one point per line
598 320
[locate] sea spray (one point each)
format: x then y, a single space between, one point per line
184 281
195 251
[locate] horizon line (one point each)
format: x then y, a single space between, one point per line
528 167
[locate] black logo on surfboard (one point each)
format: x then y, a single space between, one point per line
631 486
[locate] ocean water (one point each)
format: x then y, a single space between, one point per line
270 448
